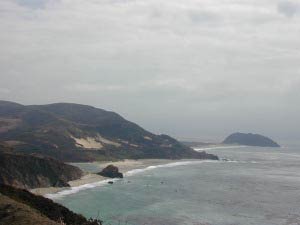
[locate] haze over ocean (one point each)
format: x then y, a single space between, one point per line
98 82
190 69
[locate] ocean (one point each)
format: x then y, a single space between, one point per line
248 186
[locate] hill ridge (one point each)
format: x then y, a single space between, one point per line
71 131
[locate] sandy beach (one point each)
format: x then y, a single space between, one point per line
124 166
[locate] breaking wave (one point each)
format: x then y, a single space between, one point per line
168 165
74 190
77 189
218 147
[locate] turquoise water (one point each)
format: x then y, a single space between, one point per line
259 186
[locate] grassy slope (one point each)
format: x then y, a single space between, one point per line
46 130
16 213
45 207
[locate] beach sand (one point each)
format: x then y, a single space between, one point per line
124 166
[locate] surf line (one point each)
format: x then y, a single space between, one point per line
74 190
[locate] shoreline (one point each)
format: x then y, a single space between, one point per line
90 178
216 147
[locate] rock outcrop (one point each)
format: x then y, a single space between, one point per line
27 171
250 140
111 171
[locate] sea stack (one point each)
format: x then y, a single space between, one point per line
111 171
250 140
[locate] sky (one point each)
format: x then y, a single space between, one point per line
194 69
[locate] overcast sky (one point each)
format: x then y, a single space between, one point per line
190 68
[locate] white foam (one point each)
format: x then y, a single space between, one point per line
77 189
74 190
238 161
218 147
182 163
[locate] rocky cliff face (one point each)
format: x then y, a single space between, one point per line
26 171
72 132
250 140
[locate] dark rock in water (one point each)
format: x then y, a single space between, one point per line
110 182
225 160
111 171
250 140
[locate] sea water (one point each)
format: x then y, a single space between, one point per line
259 186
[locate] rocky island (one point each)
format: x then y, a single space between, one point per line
111 171
250 139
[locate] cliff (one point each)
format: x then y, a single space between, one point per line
27 171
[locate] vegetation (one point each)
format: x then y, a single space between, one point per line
250 139
28 171
38 208
50 130
16 213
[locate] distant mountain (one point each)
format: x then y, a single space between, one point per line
73 132
250 140
20 207
27 171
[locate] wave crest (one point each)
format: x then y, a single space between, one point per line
77 189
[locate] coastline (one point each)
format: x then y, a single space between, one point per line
217 146
89 177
